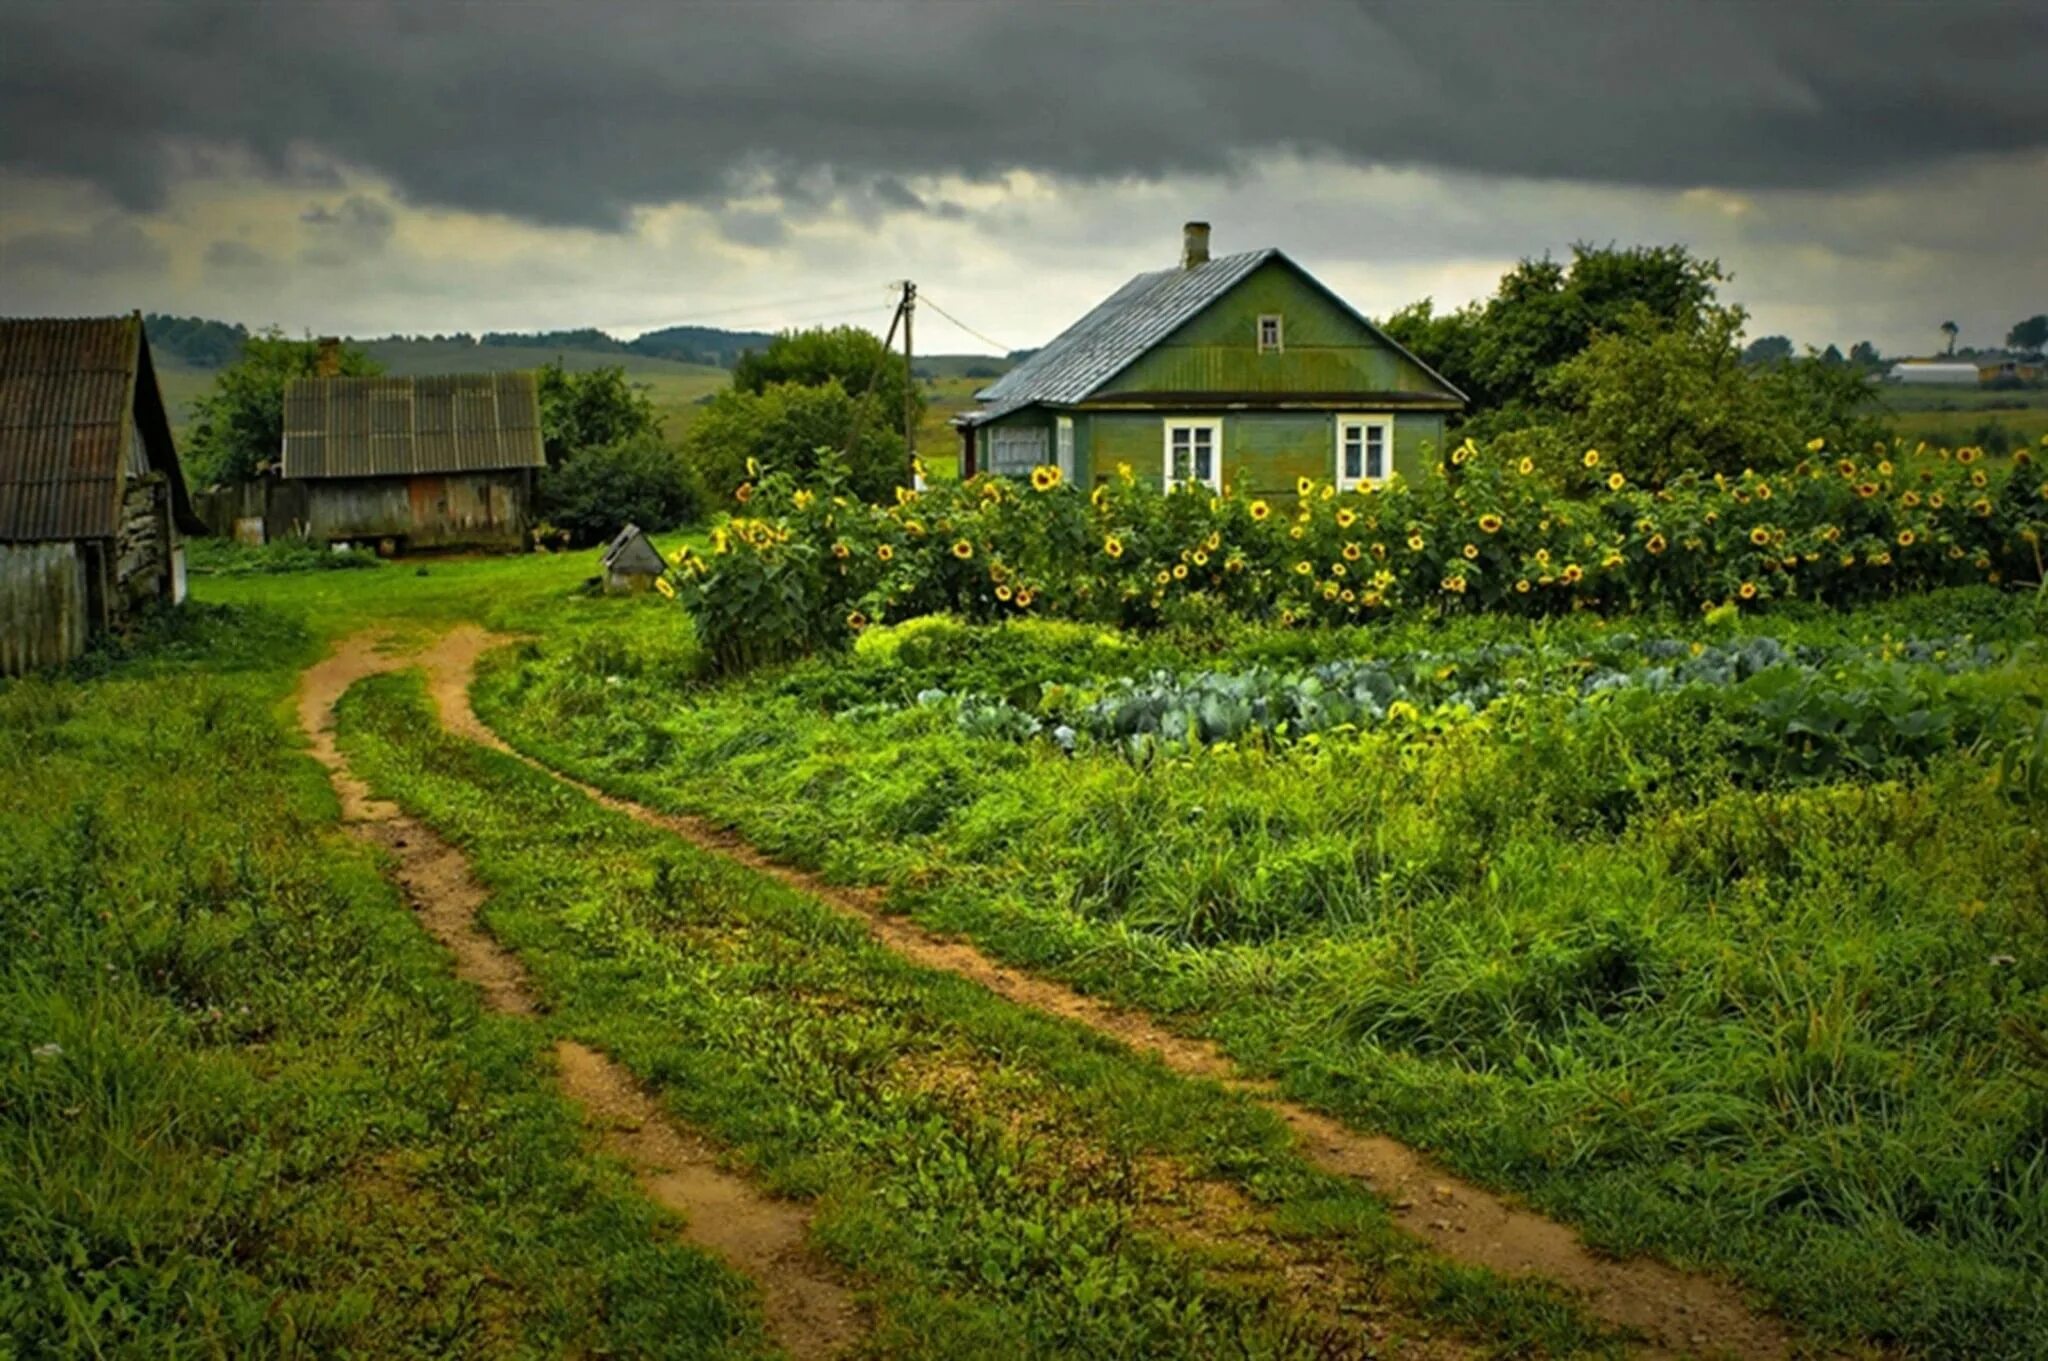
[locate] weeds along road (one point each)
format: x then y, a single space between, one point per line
1672 1311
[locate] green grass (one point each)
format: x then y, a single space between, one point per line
1952 417
244 1107
1698 1003
1004 1183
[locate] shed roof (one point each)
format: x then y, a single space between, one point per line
1132 320
395 427
70 388
633 552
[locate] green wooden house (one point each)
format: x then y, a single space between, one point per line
1241 371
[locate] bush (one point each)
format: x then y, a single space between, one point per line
783 428
850 356
1487 530
638 481
226 558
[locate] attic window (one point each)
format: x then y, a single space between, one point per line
1269 332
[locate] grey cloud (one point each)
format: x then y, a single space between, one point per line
233 255
356 225
764 231
571 114
112 246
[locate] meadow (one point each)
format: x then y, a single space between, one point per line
1997 421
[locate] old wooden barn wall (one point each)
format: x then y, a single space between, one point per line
45 617
452 510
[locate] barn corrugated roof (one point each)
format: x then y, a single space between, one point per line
69 390
396 427
1145 311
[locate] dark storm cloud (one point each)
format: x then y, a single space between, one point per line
230 256
112 246
355 227
578 113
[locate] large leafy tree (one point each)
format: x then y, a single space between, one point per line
795 428
2030 335
853 358
593 410
238 427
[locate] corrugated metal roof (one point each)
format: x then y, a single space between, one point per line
1123 326
1145 311
67 394
386 427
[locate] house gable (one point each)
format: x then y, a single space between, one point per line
1325 350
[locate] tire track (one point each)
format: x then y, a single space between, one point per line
1678 1312
808 1313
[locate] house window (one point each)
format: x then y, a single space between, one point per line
1063 445
1194 452
1269 333
1365 450
1013 451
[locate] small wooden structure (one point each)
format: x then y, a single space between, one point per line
632 564
427 462
92 502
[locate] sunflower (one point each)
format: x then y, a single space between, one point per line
1612 559
1656 544
856 621
884 552
1910 499
1978 479
1352 552
904 496
1592 458
1570 574
1816 444
962 549
1471 551
662 584
1099 495
1304 569
840 550
1180 571
1113 546
802 497
1200 557
1163 577
1004 592
1044 477
1615 481
1025 597
745 493
1935 500
1966 454
1522 586
1526 466
1760 536
1905 538
1260 510
1866 490
1981 506
1296 532
1543 557
1371 600
1346 518
1337 569
1747 590
1304 485
1330 590
1415 543
1379 550
1847 467
1884 467
1489 523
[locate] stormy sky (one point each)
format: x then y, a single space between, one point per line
1867 170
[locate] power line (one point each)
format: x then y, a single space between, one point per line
925 298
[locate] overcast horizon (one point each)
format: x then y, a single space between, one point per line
1865 172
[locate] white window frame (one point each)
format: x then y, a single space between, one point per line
1381 421
1279 344
1214 425
1063 446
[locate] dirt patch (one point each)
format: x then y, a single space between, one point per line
1679 1312
808 1313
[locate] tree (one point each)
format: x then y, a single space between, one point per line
1951 330
783 427
591 410
2029 336
848 355
639 480
1831 355
1768 350
238 427
1865 355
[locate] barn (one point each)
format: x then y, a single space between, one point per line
414 463
93 507
1234 371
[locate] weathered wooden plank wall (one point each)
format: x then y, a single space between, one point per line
44 614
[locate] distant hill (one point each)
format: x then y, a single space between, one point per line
199 343
988 366
700 344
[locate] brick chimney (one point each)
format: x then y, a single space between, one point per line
1194 245
327 359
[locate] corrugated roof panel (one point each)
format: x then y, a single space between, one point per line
398 427
65 413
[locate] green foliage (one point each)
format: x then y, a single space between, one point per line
797 430
245 1110
238 428
1768 350
1516 528
1736 969
201 343
639 480
227 558
851 356
596 409
2031 335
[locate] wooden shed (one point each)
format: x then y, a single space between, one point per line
93 507
1235 371
405 463
632 563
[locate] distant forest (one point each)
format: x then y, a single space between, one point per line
207 344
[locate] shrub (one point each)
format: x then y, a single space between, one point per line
1484 531
791 428
638 481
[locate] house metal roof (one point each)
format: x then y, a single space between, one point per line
1145 311
398 427
71 389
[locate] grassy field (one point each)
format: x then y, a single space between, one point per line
1727 969
1997 421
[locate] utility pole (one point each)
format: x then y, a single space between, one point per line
907 307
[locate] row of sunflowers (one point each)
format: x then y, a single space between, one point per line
807 567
